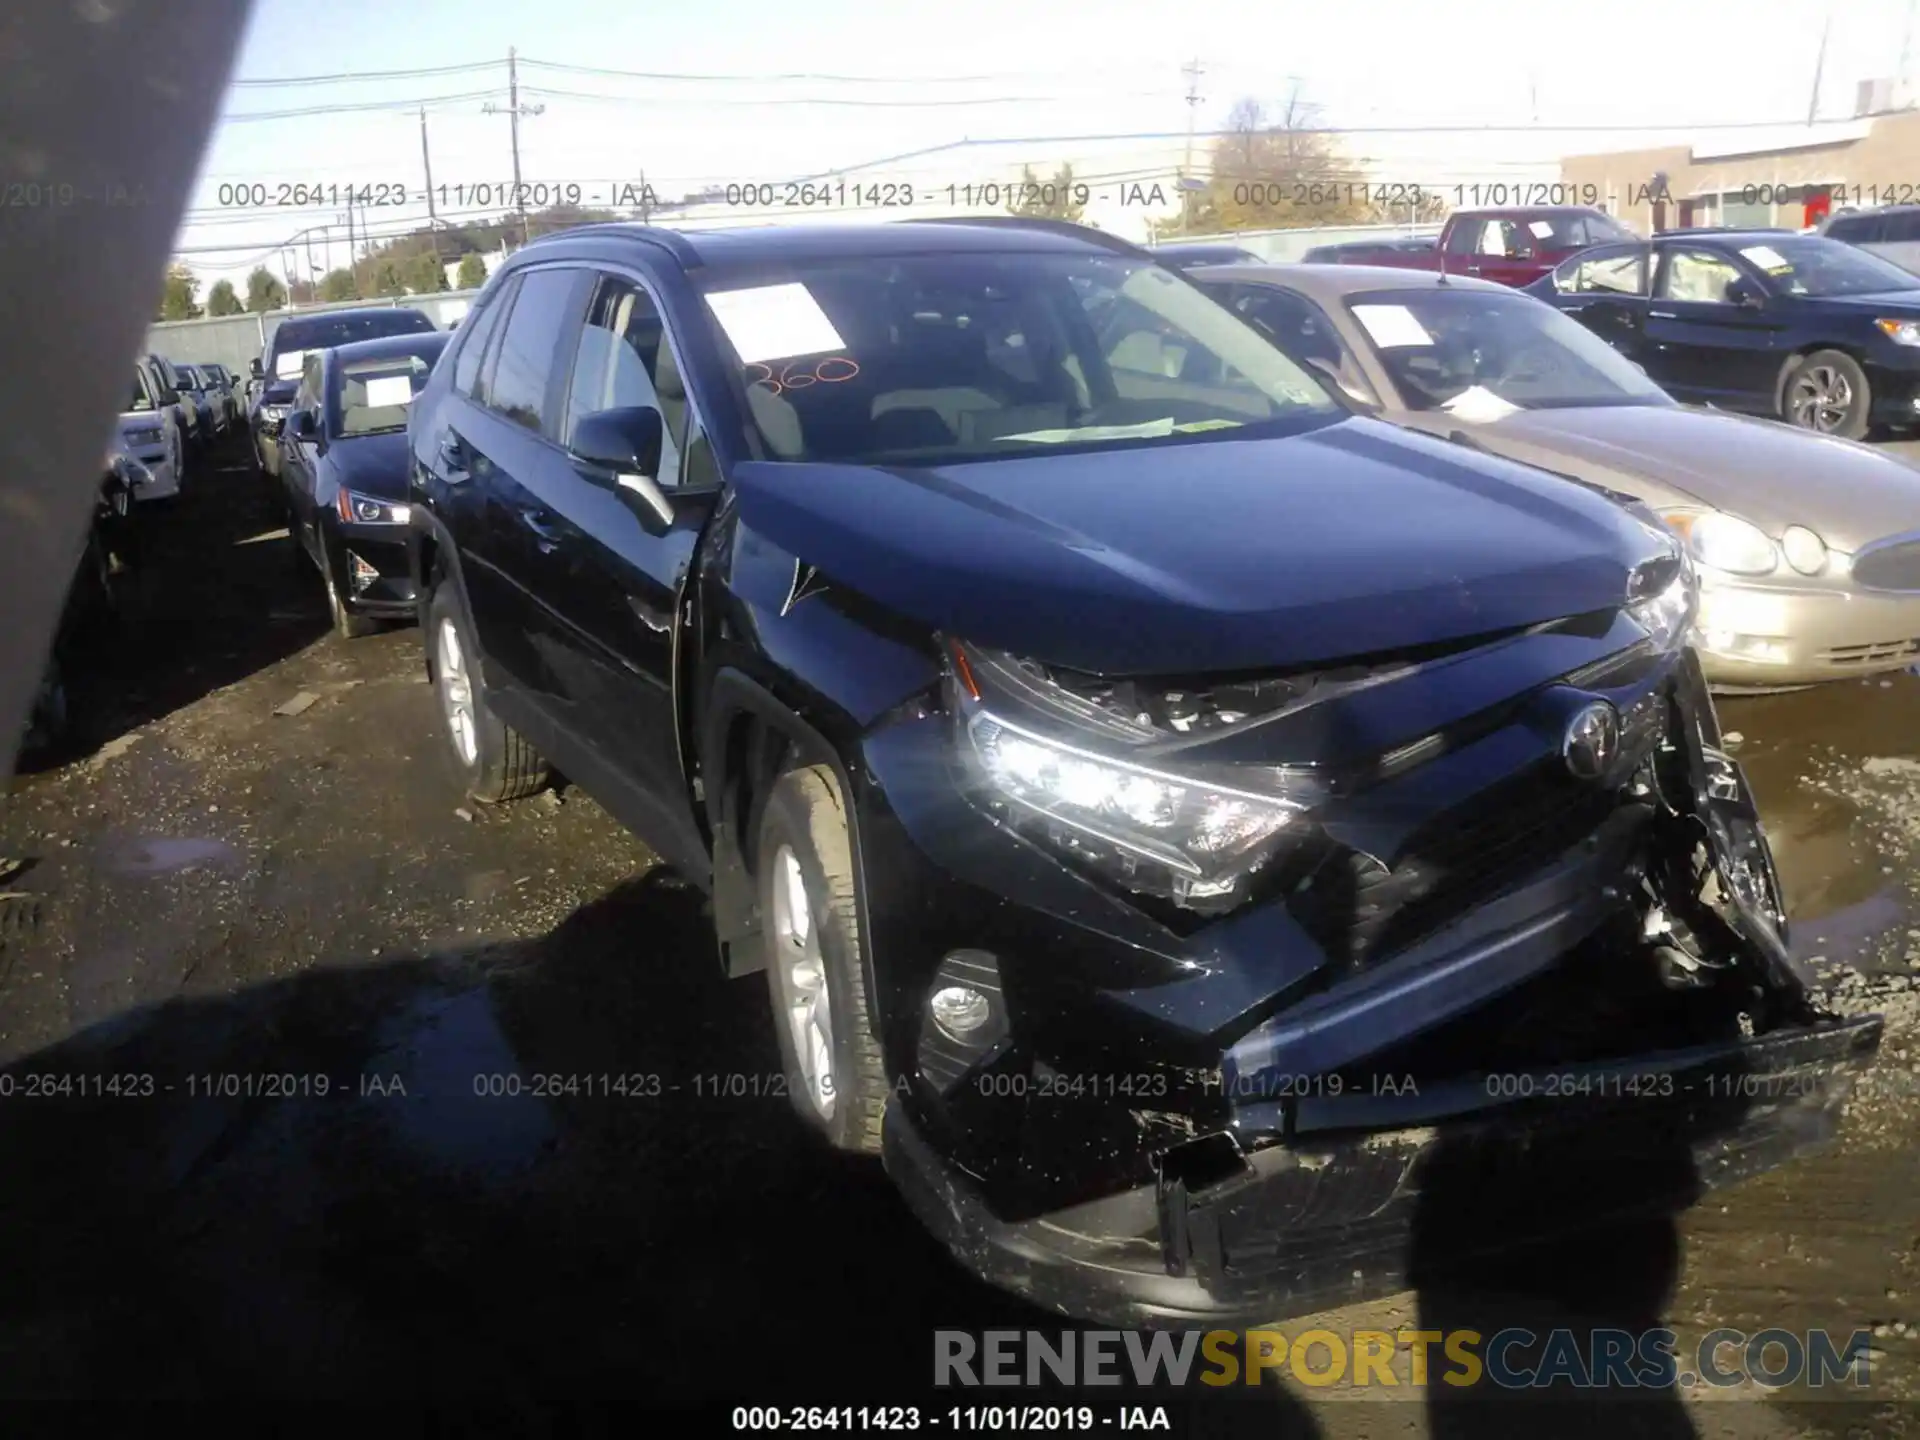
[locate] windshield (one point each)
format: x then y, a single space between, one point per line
190 378
1509 350
1567 231
373 395
947 358
1814 265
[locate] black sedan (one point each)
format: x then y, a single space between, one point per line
1798 327
344 472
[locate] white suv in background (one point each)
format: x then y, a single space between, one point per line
151 431
1891 232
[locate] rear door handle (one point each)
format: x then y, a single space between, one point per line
453 460
548 534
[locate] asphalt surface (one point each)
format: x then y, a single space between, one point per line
274 1004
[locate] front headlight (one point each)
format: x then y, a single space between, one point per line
1901 332
1664 596
365 510
1725 542
1050 766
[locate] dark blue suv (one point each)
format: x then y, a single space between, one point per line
1119 758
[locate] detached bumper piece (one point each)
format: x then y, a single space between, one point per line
1370 1190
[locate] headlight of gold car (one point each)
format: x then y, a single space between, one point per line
1725 542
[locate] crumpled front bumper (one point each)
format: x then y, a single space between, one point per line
1396 1185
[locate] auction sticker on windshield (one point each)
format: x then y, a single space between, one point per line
1392 326
389 390
1541 229
774 322
287 366
1768 259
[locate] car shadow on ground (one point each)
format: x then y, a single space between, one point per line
207 602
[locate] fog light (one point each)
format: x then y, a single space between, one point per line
1757 648
960 1011
363 573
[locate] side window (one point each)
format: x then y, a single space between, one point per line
1301 329
1697 275
307 397
1618 272
1901 226
473 344
623 358
1464 238
1854 229
522 369
702 468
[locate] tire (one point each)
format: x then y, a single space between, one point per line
346 624
494 762
803 838
1827 392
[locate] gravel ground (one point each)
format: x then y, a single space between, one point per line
204 888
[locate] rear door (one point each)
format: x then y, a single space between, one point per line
495 438
614 583
1503 252
1699 343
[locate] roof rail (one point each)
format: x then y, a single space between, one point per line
1038 222
671 241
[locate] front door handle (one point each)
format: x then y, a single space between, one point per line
453 460
1663 315
547 534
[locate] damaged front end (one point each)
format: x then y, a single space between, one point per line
1256 1034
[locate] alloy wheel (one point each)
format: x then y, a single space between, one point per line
1820 398
802 976
456 693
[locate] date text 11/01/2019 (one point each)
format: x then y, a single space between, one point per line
1044 195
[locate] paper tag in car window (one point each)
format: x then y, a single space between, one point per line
1768 259
1541 228
1479 405
774 322
289 365
389 390
1391 326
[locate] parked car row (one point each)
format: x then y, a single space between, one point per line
1057 668
175 418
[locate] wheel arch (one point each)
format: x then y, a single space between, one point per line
748 739
1793 359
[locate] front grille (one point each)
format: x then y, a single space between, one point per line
1359 910
1879 653
1889 567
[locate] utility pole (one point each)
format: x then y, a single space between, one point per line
1819 68
1903 82
1193 72
514 111
426 162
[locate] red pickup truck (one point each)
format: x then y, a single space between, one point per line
1514 246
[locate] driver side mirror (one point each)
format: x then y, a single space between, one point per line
620 449
254 366
1740 291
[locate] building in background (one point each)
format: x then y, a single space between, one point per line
1785 176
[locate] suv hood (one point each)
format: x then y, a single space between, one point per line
1761 470
1218 555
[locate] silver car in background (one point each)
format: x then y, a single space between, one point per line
150 432
1808 546
1892 232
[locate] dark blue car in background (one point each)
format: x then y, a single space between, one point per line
343 471
280 366
1115 754
1798 327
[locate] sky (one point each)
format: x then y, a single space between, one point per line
887 80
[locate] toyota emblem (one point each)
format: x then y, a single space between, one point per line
1591 741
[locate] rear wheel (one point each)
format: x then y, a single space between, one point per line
494 762
1827 392
816 976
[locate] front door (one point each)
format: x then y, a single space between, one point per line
1703 346
614 579
1605 289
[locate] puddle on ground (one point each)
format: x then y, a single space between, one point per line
463 1102
161 855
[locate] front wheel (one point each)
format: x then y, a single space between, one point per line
494 762
1827 392
816 976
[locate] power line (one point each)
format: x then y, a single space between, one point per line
351 106
842 101
355 76
781 76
